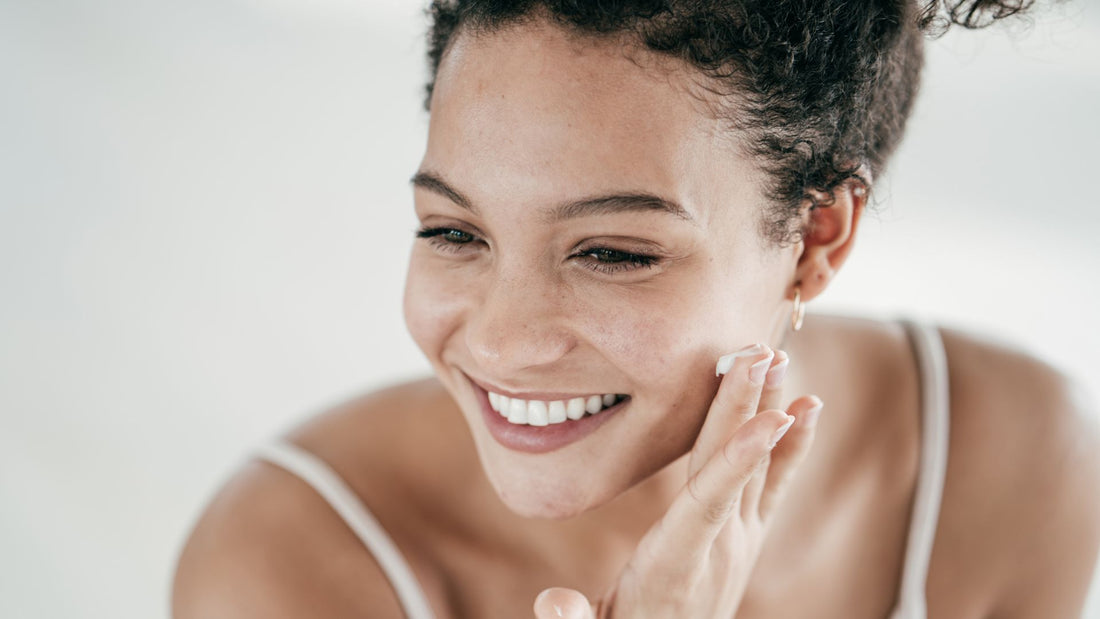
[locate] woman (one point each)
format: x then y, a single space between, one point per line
625 208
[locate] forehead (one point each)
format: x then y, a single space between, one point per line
541 114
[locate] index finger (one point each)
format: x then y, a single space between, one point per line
737 400
713 495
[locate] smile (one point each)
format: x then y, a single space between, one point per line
544 421
542 413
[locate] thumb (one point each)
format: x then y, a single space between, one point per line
560 603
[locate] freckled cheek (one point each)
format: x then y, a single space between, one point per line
654 346
668 349
668 359
432 307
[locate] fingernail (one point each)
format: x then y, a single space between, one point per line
777 373
758 370
780 432
725 363
812 414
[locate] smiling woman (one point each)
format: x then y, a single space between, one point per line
613 197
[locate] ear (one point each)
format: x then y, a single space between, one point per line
829 233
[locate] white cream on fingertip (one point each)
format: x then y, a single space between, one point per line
725 362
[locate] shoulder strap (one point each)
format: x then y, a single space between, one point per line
344 502
935 405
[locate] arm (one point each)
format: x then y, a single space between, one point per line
1024 480
1059 524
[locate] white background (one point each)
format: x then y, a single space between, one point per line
205 214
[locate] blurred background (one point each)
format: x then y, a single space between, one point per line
205 214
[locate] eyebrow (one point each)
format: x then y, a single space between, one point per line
585 207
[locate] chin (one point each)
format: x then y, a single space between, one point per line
551 499
545 507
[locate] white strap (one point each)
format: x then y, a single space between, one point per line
935 404
332 488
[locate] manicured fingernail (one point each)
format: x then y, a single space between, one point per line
780 432
725 363
812 414
777 373
758 370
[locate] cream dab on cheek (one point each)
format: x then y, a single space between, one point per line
542 413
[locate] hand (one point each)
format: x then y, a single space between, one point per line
696 560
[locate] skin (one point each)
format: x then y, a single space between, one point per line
518 310
528 118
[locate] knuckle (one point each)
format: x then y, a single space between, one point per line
747 404
693 489
715 514
735 456
683 577
718 512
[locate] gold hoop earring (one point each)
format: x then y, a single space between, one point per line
799 310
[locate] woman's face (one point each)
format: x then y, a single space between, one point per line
587 230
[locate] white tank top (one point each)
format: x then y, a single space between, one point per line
932 362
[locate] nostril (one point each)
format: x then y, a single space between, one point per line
518 324
507 348
483 351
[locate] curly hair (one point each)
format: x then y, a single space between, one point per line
819 89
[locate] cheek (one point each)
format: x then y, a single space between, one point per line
668 341
664 351
675 330
432 306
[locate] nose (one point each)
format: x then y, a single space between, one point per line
520 324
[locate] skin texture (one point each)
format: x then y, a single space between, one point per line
531 117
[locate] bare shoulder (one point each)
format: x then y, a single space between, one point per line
1022 496
268 545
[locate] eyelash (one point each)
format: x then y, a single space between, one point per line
601 259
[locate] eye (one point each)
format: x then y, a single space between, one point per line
446 239
446 235
607 260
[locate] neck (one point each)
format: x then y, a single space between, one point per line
593 547
633 512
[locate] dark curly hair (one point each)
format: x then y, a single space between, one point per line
823 87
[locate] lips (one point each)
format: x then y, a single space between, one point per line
543 422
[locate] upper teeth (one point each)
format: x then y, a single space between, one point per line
541 413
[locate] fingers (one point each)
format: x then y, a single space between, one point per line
750 497
560 603
790 452
737 400
771 397
711 496
771 394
